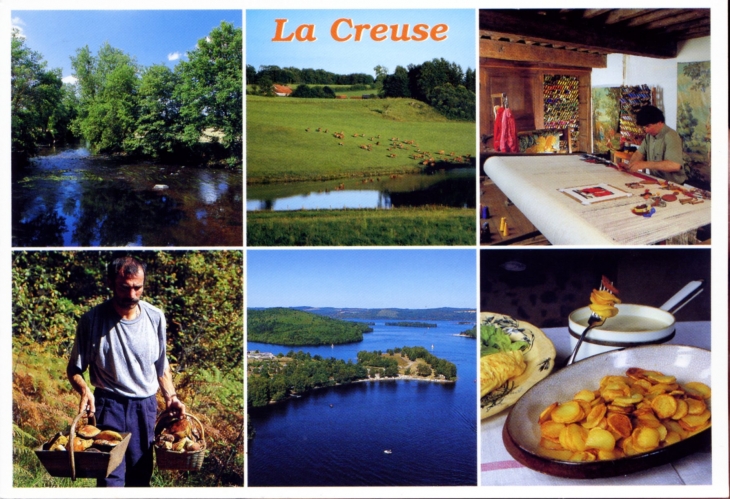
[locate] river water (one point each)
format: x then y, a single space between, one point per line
454 188
337 436
68 197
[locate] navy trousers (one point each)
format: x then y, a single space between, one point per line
136 416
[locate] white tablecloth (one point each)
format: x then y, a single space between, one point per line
499 468
533 184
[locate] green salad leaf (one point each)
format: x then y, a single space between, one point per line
495 339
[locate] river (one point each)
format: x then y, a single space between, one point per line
337 436
68 197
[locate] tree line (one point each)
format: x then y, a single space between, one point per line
442 84
299 372
119 106
283 326
268 75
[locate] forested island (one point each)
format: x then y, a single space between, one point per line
284 326
410 324
469 333
276 378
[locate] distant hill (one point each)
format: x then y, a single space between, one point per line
285 326
431 314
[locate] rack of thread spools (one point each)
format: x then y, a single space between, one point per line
561 105
632 99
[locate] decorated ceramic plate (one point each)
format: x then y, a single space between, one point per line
539 356
521 433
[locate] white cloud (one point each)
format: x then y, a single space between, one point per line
17 24
70 79
174 56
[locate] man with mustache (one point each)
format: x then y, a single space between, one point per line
122 342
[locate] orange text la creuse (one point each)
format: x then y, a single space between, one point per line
344 30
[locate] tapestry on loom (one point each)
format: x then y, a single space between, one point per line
693 119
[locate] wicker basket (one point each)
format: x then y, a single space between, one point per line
171 460
82 464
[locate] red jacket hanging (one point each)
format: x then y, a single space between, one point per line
498 129
508 139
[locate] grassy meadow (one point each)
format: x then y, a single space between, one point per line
396 227
280 149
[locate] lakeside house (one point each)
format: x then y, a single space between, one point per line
256 355
282 90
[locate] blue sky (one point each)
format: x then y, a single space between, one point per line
358 57
371 278
151 36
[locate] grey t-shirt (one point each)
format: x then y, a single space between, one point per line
123 356
666 145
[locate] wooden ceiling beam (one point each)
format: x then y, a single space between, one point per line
690 25
534 53
660 15
591 37
619 15
669 21
591 13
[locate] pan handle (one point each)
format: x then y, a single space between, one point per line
683 293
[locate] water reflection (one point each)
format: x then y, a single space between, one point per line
70 198
454 188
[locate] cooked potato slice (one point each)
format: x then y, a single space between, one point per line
697 388
600 439
569 412
664 406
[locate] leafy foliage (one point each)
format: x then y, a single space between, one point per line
40 106
308 76
201 294
305 91
285 326
440 83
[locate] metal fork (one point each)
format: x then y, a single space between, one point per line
593 321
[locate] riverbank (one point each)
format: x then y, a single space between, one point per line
351 227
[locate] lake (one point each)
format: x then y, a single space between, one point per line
453 188
69 197
337 436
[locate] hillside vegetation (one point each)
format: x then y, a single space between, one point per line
280 149
283 326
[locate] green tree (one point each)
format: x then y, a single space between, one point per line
381 72
35 94
396 85
157 127
108 86
211 92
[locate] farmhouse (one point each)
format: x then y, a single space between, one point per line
282 90
572 82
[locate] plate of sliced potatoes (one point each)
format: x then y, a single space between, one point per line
615 413
514 355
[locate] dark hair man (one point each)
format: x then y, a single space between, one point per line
661 150
122 342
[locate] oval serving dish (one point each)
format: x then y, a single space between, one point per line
539 358
521 431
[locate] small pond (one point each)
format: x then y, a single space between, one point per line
453 188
